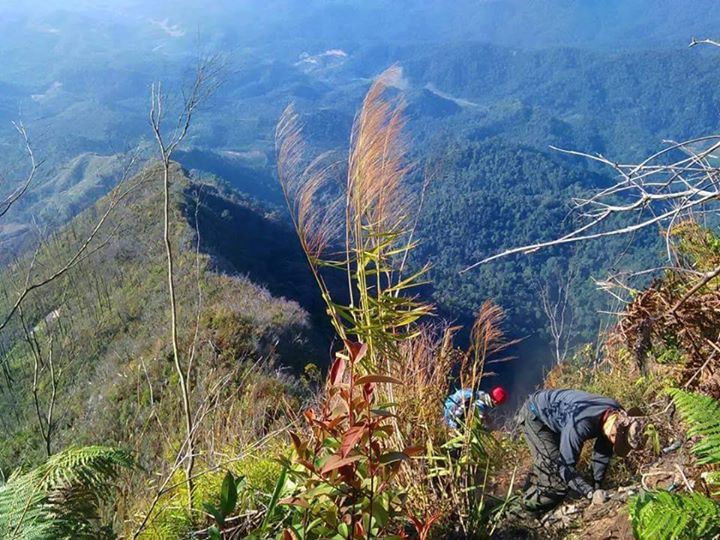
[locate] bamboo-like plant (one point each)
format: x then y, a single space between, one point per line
463 464
361 225
344 469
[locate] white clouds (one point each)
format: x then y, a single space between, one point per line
172 30
331 58
52 92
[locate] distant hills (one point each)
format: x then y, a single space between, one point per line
489 86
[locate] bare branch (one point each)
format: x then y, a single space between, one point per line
80 254
19 192
694 42
206 81
671 192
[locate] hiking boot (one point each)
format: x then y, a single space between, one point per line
539 502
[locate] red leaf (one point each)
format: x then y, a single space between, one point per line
335 422
378 379
309 415
335 462
351 437
347 473
357 350
294 501
414 451
337 371
296 443
288 534
368 390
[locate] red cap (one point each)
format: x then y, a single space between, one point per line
498 395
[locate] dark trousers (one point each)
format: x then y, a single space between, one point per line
546 488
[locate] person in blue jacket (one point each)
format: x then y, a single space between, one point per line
458 404
556 424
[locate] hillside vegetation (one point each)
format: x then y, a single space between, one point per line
461 91
96 334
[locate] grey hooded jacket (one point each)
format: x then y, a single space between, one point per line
577 417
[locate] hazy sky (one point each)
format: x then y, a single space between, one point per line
614 24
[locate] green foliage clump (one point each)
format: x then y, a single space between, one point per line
662 515
702 413
698 246
61 498
618 376
260 472
669 516
233 333
227 501
462 466
343 473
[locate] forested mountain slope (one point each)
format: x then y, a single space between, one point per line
491 196
500 77
102 326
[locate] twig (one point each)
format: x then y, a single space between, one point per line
19 192
699 285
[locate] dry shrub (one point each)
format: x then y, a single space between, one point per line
429 363
685 334
676 321
426 368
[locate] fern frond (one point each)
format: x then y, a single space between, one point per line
668 516
61 498
702 414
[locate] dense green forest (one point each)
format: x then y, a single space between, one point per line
497 196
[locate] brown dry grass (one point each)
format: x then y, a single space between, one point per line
308 187
377 164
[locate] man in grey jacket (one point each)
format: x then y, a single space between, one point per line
556 424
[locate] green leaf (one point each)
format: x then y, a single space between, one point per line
392 457
702 414
279 486
228 495
668 516
214 533
215 512
59 498
379 513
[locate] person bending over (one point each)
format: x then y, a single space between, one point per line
556 424
457 405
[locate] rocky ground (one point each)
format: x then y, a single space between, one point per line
580 519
